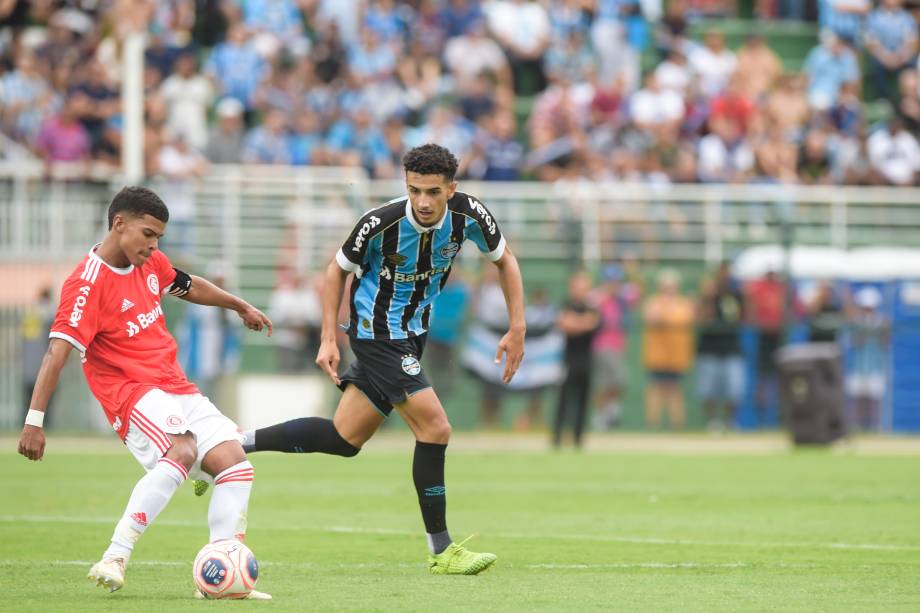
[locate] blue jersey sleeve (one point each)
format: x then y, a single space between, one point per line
482 229
353 254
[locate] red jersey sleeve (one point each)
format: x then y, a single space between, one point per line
79 316
165 272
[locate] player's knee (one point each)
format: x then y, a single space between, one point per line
439 431
342 447
183 450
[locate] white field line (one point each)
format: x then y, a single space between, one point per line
642 540
381 565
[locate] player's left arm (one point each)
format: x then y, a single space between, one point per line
512 343
201 291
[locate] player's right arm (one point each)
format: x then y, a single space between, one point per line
32 439
349 259
328 357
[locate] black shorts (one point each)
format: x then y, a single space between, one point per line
386 371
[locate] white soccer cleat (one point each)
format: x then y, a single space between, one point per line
108 573
253 595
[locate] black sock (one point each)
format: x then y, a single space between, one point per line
428 474
303 435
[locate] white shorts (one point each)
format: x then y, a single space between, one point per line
157 413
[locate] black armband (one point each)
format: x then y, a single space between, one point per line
181 285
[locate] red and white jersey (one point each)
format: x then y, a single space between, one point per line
113 316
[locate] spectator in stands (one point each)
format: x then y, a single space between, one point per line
724 154
764 305
428 29
225 143
775 155
421 80
305 141
814 165
329 53
618 55
478 100
671 31
713 63
237 69
370 60
498 155
674 73
908 106
458 15
572 57
847 115
26 99
867 376
787 107
894 153
758 67
734 105
188 95
719 362
282 90
276 24
62 138
446 127
579 321
386 20
96 102
356 141
667 349
829 66
267 143
891 40
844 18
523 30
655 110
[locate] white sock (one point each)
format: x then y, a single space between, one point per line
229 502
150 496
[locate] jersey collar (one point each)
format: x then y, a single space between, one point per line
119 271
419 227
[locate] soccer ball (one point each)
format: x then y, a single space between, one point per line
225 569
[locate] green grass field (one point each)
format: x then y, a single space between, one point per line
651 530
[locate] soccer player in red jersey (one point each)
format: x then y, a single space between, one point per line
110 312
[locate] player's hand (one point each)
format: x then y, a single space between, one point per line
512 345
254 319
328 360
32 442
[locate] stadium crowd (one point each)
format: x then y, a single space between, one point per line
543 89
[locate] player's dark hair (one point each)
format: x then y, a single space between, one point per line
431 159
137 201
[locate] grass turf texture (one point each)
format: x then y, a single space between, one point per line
803 530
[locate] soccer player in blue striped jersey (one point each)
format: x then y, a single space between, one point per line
400 254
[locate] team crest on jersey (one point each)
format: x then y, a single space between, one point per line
174 421
396 259
450 249
411 366
153 284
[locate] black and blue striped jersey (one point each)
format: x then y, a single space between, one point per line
400 266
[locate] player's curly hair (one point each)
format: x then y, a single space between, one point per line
137 201
431 159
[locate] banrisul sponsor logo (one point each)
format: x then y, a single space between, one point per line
418 276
